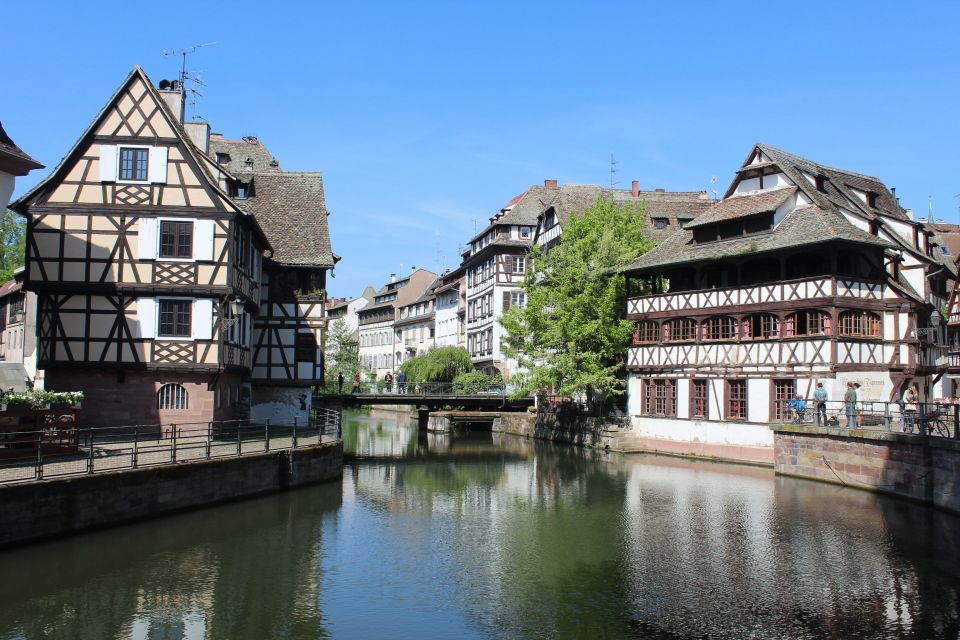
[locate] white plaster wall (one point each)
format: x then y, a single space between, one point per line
758 399
746 186
280 405
683 398
902 229
6 188
704 431
856 221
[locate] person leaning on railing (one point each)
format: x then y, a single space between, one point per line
850 404
910 399
820 404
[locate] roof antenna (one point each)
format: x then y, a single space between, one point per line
713 186
193 77
613 172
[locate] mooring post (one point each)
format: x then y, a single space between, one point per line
266 435
136 446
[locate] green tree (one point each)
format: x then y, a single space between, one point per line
440 364
12 242
343 354
571 336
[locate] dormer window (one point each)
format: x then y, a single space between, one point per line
872 199
223 158
821 182
660 223
241 192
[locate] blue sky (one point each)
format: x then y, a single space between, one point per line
426 118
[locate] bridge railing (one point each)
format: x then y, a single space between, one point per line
416 389
938 419
57 450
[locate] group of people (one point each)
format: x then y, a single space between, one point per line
909 406
387 379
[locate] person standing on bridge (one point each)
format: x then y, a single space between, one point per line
401 382
820 398
340 382
850 402
388 378
356 382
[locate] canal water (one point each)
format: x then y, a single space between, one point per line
478 535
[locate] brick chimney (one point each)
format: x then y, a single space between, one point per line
635 187
661 191
550 184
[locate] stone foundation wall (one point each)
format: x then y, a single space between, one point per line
923 469
578 430
54 508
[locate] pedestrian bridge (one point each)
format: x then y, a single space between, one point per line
427 395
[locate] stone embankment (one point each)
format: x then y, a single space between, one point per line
52 508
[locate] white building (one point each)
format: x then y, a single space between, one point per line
347 310
414 328
379 349
450 310
801 274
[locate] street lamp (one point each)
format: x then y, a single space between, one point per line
236 309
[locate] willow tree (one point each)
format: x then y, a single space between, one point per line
571 335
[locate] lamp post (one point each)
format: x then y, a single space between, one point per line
235 305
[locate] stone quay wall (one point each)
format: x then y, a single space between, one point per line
54 508
578 430
926 469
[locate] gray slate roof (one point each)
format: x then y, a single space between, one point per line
290 207
245 156
13 158
804 226
743 206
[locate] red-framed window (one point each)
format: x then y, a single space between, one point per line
680 330
761 326
660 397
783 390
699 399
646 331
736 400
720 328
859 324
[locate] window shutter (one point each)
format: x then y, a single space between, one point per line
108 163
202 320
788 325
508 264
666 331
247 324
203 239
147 245
158 165
146 318
506 300
827 324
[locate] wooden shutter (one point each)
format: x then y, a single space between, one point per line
506 300
202 319
508 264
827 324
158 165
108 163
146 318
147 244
203 239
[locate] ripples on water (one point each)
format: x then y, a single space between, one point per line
483 536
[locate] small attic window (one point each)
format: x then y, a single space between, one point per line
821 182
872 199
241 192
223 158
660 223
248 161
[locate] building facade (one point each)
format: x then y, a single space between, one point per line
415 327
802 274
150 266
450 310
18 336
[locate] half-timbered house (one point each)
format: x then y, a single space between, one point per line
148 262
801 274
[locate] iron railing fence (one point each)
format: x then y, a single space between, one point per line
414 388
921 418
59 451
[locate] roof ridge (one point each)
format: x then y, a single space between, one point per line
764 146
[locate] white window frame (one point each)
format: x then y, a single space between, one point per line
519 264
120 148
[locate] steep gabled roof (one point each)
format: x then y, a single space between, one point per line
243 156
743 206
12 158
291 209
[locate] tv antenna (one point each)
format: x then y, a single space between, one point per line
613 172
194 77
713 186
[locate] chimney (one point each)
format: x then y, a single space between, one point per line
199 133
413 268
635 187
661 191
393 277
172 94
550 184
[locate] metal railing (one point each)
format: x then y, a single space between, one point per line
58 451
939 419
415 388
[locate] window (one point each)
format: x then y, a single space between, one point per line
133 163
519 264
646 331
783 391
698 399
173 396
720 328
175 318
736 399
222 157
241 192
15 309
679 330
859 324
550 220
807 323
524 232
660 397
518 300
241 246
761 326
660 223
176 239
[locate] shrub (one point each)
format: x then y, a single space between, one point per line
475 382
440 364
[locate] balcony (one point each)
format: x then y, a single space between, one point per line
785 291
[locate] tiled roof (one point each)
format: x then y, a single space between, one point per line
13 156
804 226
742 206
9 287
244 156
291 210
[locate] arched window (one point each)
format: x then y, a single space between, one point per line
807 323
719 328
859 324
646 331
761 326
679 330
172 396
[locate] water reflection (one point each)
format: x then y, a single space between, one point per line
478 535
